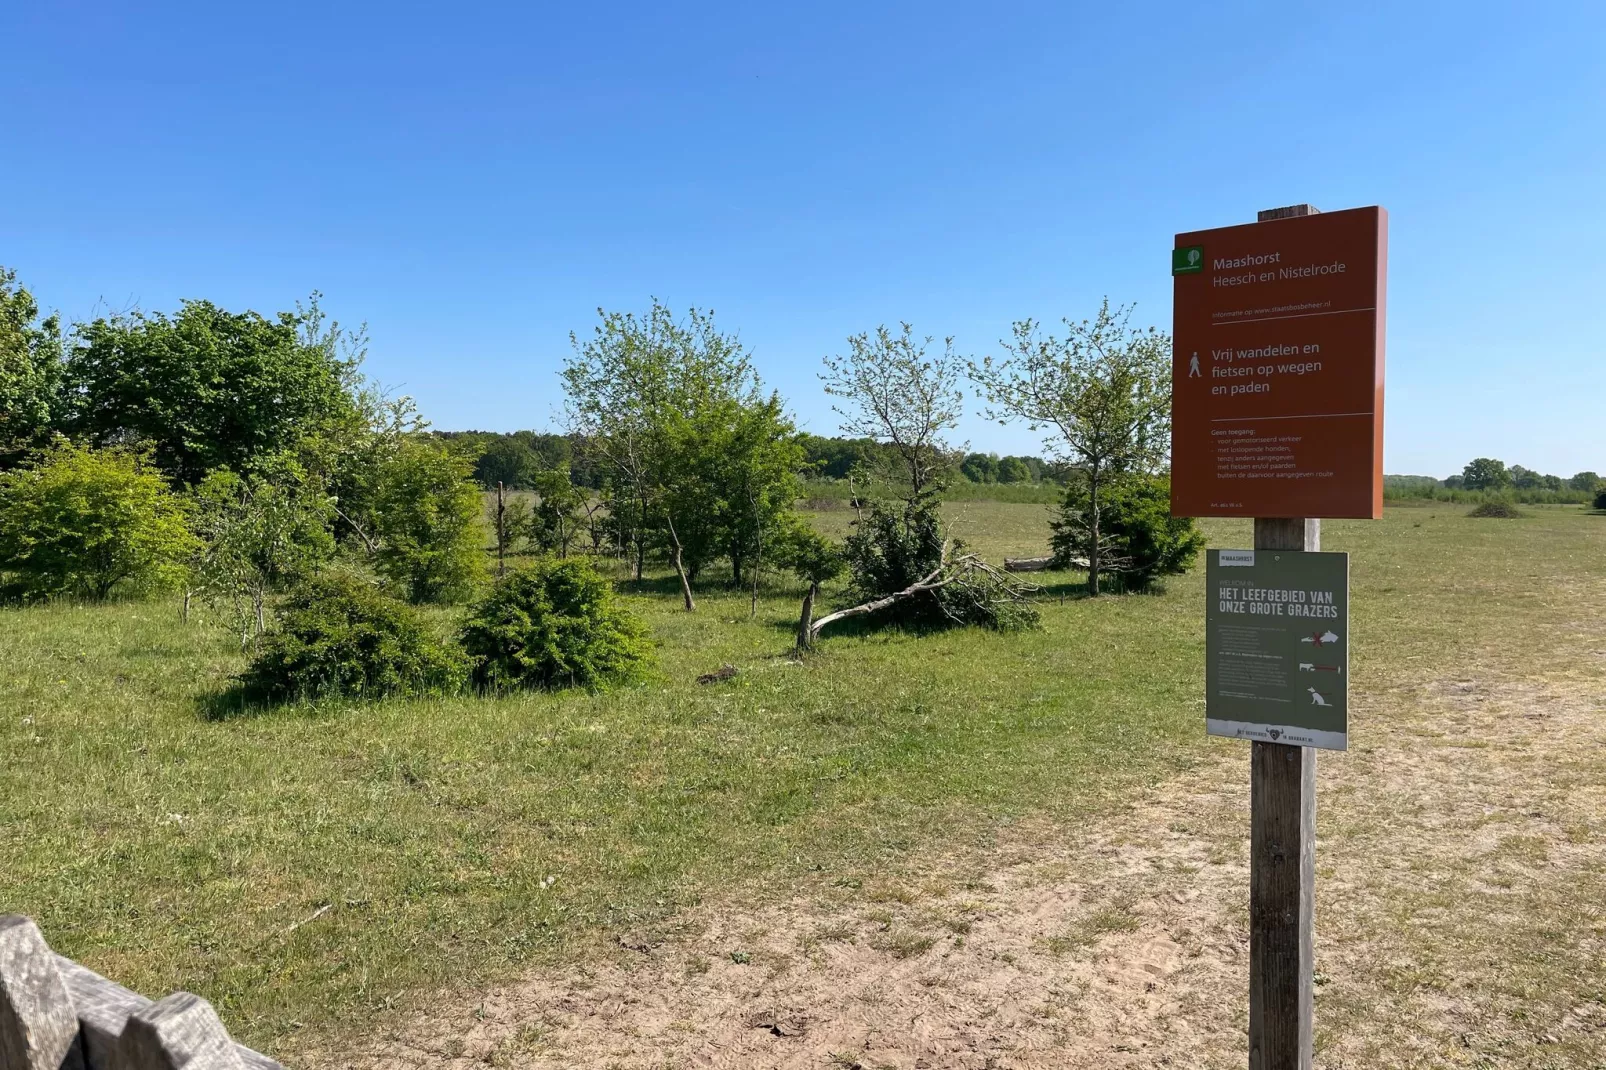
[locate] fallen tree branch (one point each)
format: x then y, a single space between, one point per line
1038 564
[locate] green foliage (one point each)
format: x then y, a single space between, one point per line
1497 510
1600 499
260 533
1141 540
894 392
90 524
553 624
699 461
30 369
1015 470
1485 473
813 557
901 544
508 461
1103 395
558 513
339 636
207 388
426 518
1588 482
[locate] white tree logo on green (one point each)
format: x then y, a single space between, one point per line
1187 260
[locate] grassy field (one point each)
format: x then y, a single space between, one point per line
444 842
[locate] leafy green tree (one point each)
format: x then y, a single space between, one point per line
553 624
1600 499
427 522
980 468
559 511
895 393
90 524
207 388
674 412
1103 392
259 534
30 369
338 636
507 460
1584 481
1485 473
1140 538
1014 470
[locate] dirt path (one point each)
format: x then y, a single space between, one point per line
1461 887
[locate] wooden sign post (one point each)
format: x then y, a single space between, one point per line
1277 415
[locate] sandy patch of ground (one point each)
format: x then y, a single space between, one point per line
1461 886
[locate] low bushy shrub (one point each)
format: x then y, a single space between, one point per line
1600 499
901 543
1140 540
1497 511
82 523
552 624
339 636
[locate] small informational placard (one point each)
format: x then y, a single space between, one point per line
1277 647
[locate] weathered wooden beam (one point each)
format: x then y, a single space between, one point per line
1282 872
104 1007
38 1029
180 1032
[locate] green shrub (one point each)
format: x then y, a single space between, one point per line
427 517
338 635
1141 541
901 543
89 524
552 624
1497 511
1600 499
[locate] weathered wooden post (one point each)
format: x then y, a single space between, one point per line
1277 415
1282 872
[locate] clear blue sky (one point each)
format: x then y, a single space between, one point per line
474 180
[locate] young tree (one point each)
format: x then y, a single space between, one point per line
30 370
1142 541
427 521
662 403
1103 392
259 534
89 524
207 388
1584 481
558 513
891 391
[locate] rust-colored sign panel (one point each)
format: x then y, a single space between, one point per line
1277 374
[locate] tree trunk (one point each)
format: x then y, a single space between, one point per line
501 532
1094 549
736 569
641 553
184 616
680 567
805 623
257 600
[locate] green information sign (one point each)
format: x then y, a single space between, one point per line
1277 647
1187 260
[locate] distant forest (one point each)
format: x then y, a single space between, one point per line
515 459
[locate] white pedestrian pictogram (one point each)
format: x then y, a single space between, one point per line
1193 368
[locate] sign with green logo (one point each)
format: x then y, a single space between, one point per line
1187 260
1277 647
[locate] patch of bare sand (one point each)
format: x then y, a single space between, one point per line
1461 877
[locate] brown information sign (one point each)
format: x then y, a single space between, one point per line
1277 374
1277 647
